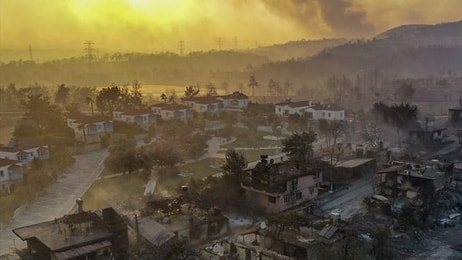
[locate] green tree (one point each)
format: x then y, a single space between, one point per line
211 89
235 162
136 96
191 91
122 156
196 146
253 83
400 116
48 118
272 87
163 97
90 102
299 146
404 92
108 99
62 94
166 155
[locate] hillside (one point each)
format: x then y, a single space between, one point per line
406 51
447 34
296 49
163 68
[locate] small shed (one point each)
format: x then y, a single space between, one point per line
345 171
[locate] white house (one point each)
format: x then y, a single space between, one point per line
207 104
11 173
172 111
236 100
24 153
325 111
290 108
89 129
141 117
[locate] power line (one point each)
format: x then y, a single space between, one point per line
89 50
181 47
220 42
30 52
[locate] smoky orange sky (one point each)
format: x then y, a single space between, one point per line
158 25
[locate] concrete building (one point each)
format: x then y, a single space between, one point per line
231 249
276 187
84 235
346 171
409 178
188 221
90 129
455 115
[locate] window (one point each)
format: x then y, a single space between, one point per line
1 173
328 114
294 184
22 156
323 113
279 109
298 195
271 199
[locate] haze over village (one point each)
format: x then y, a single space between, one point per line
170 129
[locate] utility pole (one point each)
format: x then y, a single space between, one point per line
181 47
89 49
220 42
30 52
137 235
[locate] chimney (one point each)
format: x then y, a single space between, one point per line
264 158
184 188
79 202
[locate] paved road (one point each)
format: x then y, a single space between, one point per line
59 199
348 201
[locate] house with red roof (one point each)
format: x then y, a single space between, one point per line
90 129
143 117
172 111
326 111
312 110
23 152
288 107
207 104
235 101
11 173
